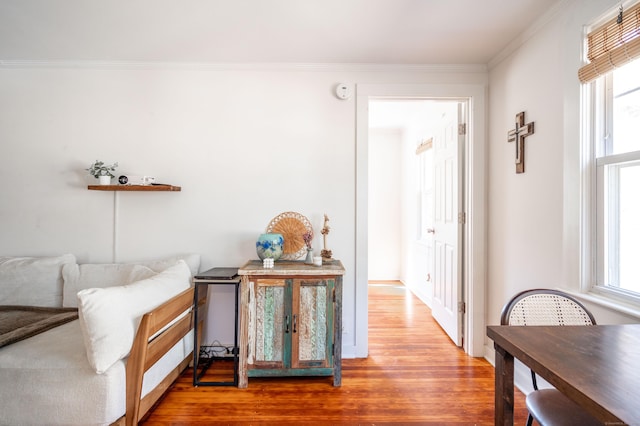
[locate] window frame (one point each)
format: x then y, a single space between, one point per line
597 119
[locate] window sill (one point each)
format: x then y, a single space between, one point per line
614 304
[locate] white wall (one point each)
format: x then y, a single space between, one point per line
244 142
533 226
385 220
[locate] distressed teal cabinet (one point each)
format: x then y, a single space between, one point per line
290 321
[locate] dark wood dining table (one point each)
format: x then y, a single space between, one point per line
597 366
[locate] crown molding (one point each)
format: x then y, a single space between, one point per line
533 29
210 66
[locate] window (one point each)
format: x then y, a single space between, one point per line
617 152
615 140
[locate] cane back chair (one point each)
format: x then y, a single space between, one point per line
549 307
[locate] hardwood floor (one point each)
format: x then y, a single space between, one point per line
413 374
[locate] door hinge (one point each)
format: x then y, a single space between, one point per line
462 218
462 307
462 129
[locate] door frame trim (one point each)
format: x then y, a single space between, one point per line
474 250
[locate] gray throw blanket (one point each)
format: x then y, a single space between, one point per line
20 322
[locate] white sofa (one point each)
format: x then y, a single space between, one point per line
108 363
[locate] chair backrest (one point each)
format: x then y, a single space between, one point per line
545 307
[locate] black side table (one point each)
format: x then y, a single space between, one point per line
214 276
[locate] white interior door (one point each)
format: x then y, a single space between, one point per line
447 284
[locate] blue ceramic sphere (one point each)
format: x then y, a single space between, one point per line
270 246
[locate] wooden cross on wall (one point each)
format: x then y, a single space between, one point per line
517 135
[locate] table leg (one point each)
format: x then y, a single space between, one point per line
196 336
504 387
236 348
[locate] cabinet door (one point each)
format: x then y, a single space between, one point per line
312 337
270 320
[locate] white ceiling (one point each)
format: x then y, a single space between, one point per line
264 31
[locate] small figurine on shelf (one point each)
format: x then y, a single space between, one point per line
308 237
326 253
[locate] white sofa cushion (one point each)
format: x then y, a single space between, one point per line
109 317
99 275
47 380
33 281
158 265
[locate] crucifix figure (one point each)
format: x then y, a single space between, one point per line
517 135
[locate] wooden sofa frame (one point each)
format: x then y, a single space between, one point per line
148 348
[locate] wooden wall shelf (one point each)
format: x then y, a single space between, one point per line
155 188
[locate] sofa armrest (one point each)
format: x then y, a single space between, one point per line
159 330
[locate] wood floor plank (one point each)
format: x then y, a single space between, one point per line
414 374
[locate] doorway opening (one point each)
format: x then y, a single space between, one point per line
416 156
471 208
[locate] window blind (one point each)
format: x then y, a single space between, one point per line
613 44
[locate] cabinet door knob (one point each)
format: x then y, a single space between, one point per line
295 323
286 324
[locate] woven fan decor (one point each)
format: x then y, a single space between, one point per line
292 226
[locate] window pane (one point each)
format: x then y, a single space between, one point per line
626 108
629 227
